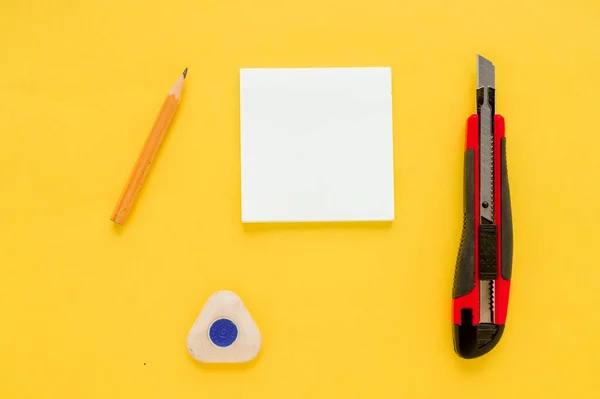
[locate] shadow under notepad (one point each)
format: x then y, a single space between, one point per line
292 226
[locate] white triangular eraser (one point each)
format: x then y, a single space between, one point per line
224 331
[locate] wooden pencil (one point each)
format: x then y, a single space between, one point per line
146 157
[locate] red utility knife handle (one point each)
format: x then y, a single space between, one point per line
472 339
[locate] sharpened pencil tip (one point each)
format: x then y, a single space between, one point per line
184 73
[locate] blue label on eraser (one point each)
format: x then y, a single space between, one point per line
223 332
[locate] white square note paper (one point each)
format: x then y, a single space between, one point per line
316 145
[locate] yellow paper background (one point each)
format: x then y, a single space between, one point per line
90 310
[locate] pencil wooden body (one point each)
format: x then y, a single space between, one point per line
147 155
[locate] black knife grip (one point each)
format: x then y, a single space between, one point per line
507 228
464 273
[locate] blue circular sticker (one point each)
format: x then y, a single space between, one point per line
223 332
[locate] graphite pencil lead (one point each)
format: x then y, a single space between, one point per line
184 73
